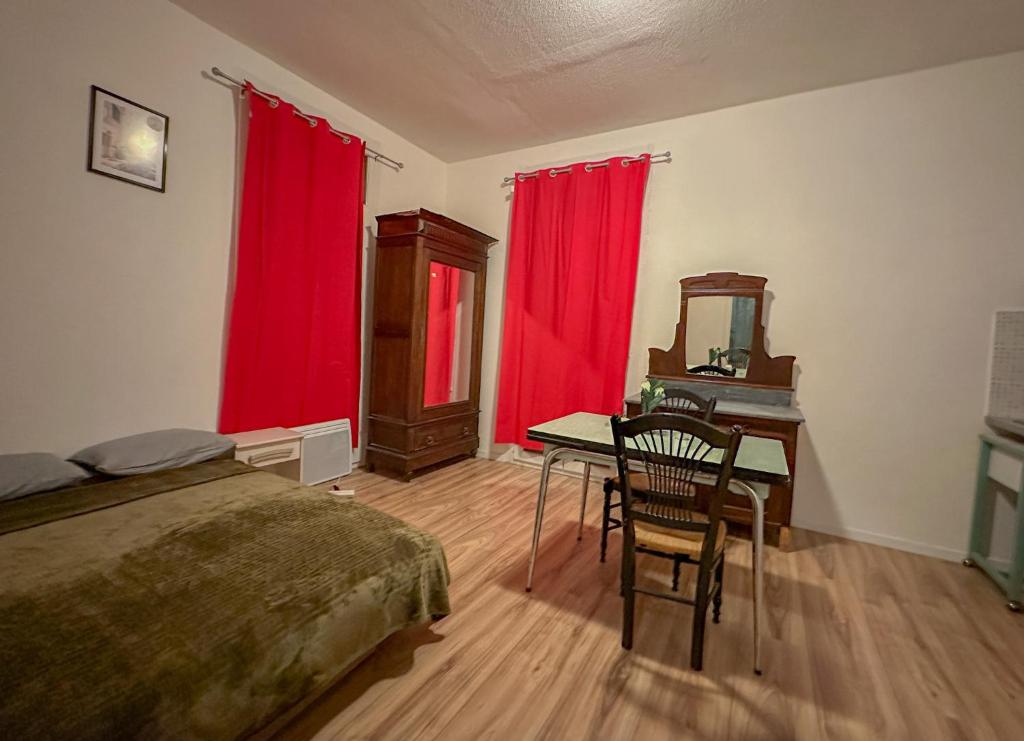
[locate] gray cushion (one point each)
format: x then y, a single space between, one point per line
22 474
153 451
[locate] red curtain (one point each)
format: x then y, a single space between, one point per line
572 262
293 350
442 300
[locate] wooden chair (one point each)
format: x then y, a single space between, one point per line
680 400
677 401
666 522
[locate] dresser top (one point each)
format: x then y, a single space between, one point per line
777 412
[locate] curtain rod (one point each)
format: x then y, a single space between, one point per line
662 157
371 153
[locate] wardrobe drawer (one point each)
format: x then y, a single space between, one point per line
438 433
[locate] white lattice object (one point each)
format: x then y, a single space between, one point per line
326 451
1006 384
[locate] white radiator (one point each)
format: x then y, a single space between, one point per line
326 451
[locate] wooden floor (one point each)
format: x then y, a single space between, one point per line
861 641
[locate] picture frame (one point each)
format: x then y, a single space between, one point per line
127 140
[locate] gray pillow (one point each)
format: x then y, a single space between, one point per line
153 451
22 474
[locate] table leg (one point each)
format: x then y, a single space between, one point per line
550 456
1015 579
757 543
983 513
545 473
583 499
758 546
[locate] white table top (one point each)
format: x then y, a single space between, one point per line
1006 444
758 458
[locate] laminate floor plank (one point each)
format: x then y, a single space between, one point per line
860 641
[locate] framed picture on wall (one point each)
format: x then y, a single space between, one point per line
127 141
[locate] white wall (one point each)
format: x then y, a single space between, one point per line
112 297
888 217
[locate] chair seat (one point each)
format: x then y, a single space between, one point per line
670 540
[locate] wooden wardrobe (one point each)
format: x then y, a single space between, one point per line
428 311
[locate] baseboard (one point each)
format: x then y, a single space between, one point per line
1003 564
514 454
572 469
888 541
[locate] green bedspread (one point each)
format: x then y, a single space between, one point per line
197 603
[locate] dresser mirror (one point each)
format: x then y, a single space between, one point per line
719 332
449 338
720 350
720 335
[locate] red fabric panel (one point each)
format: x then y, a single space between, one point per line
442 299
569 295
293 350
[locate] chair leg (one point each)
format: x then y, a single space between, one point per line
700 616
629 595
717 602
676 563
583 500
606 516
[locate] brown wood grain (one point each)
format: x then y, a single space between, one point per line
861 642
404 436
779 507
764 370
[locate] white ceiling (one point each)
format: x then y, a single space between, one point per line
464 79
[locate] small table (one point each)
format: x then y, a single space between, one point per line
772 416
1011 582
587 438
276 448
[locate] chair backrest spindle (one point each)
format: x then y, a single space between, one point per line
681 400
673 449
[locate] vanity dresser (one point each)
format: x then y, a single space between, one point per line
428 314
719 350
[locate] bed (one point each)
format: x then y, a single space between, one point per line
204 601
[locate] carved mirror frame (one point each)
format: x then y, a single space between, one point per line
763 370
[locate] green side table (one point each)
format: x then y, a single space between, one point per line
985 492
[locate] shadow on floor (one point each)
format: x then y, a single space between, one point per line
391 660
570 578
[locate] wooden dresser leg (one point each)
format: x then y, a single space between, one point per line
785 542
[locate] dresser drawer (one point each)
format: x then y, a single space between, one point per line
439 433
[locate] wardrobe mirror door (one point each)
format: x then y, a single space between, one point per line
449 343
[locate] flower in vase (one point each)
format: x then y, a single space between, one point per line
651 395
